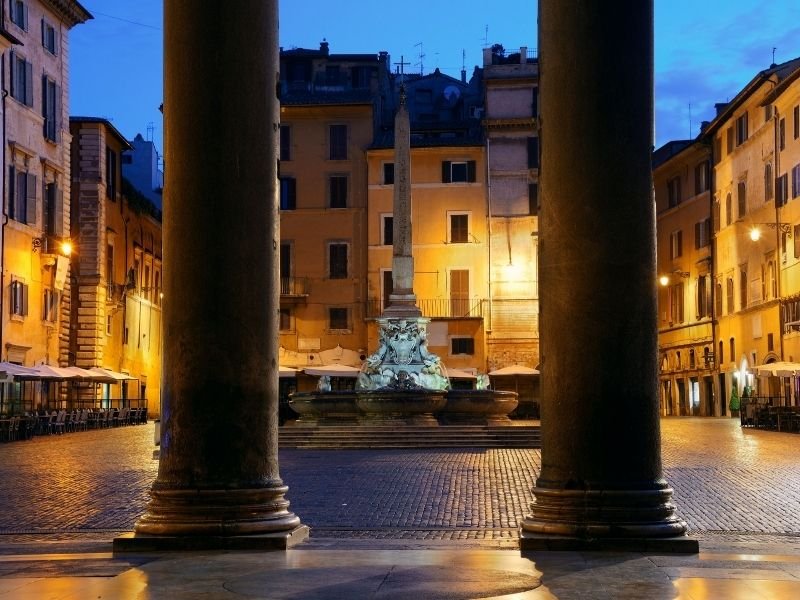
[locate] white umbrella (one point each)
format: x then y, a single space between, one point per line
778 369
333 371
460 374
513 370
286 371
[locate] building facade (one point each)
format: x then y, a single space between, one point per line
36 282
511 84
116 301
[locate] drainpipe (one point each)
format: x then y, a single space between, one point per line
778 232
713 267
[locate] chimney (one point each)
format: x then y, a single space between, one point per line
463 76
323 47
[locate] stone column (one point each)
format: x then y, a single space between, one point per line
601 482
218 484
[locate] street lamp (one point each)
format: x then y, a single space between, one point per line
665 279
755 232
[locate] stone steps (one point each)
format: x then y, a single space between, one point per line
355 436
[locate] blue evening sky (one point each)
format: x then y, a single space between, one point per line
705 51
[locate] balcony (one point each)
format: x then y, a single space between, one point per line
439 308
294 289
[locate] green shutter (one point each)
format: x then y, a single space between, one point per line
30 200
12 179
471 171
446 171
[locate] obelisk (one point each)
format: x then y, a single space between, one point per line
402 300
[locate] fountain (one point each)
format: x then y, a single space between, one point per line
403 383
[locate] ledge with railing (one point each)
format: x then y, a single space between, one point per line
438 308
294 287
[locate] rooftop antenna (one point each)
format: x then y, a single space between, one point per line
773 55
421 56
150 129
400 70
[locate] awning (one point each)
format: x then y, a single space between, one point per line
778 369
460 374
116 376
286 371
513 370
50 372
13 370
333 371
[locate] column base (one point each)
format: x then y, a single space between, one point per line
139 542
605 519
672 545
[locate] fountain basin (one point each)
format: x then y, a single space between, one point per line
478 407
400 407
324 408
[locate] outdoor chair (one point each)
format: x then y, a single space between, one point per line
59 425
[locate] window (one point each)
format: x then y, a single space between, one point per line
732 344
729 139
360 77
458 172
459 293
332 74
702 233
288 193
673 192
21 79
769 189
157 286
676 303
701 178
337 261
741 198
718 299
728 209
782 189
533 198
729 295
782 134
770 342
285 321
387 231
19 299
676 244
796 241
459 228
338 318
49 37
462 345
338 142
53 210
796 181
111 174
49 306
21 196
18 13
110 264
721 351
703 296
741 130
286 143
742 288
51 109
533 152
387 288
388 173
772 281
796 121
109 324
337 189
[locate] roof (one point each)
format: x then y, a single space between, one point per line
781 72
125 143
305 98
385 139
669 150
70 11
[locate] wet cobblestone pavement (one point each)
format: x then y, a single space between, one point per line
731 485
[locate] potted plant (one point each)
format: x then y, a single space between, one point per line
734 403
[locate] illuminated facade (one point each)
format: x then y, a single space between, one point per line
117 270
36 285
512 145
681 172
329 107
730 262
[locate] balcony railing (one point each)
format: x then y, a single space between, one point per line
439 308
294 286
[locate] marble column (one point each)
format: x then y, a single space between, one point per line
218 484
601 482
402 300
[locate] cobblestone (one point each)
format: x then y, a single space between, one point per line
729 485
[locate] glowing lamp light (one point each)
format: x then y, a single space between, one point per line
663 280
66 248
755 234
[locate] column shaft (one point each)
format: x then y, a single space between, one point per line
218 472
601 457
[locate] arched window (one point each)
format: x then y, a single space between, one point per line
728 209
773 281
769 183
